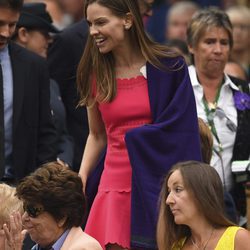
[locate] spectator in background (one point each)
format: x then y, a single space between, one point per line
178 18
240 19
191 212
28 138
63 57
146 9
218 96
180 47
234 69
229 3
156 24
54 206
33 33
61 19
74 8
11 209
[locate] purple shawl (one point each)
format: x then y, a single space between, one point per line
153 148
172 137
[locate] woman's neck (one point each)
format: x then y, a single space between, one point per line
127 54
210 85
201 234
128 65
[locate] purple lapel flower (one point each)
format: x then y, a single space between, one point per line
241 100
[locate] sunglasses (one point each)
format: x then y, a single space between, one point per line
230 124
32 210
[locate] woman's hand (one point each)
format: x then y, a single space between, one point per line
14 233
64 164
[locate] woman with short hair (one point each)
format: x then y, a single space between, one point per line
222 101
54 206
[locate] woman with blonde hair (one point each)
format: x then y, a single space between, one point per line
11 209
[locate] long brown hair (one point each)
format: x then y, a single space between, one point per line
102 66
206 139
205 185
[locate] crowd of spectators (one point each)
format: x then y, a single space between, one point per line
44 127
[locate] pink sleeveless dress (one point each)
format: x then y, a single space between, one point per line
109 218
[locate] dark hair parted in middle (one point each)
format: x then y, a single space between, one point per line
102 66
204 183
58 189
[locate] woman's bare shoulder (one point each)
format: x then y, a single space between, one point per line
242 240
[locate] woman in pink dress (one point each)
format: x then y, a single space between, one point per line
114 79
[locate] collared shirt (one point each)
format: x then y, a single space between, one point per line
8 108
226 136
57 245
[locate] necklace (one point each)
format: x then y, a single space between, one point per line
205 245
210 110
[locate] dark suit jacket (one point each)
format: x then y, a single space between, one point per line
64 140
33 135
63 57
241 149
242 142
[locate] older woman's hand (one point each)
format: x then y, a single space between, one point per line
14 233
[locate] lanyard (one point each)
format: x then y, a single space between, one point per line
210 113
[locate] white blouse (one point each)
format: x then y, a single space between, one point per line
226 136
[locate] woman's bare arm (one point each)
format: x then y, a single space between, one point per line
95 144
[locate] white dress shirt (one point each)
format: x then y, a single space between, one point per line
226 136
8 107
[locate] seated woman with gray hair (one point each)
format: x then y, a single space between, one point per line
54 206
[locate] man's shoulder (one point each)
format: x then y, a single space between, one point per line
20 53
68 46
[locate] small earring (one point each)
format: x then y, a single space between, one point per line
126 27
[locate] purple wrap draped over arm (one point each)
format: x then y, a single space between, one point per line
153 148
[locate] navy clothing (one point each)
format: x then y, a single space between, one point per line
63 57
64 140
230 208
157 23
241 150
33 132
